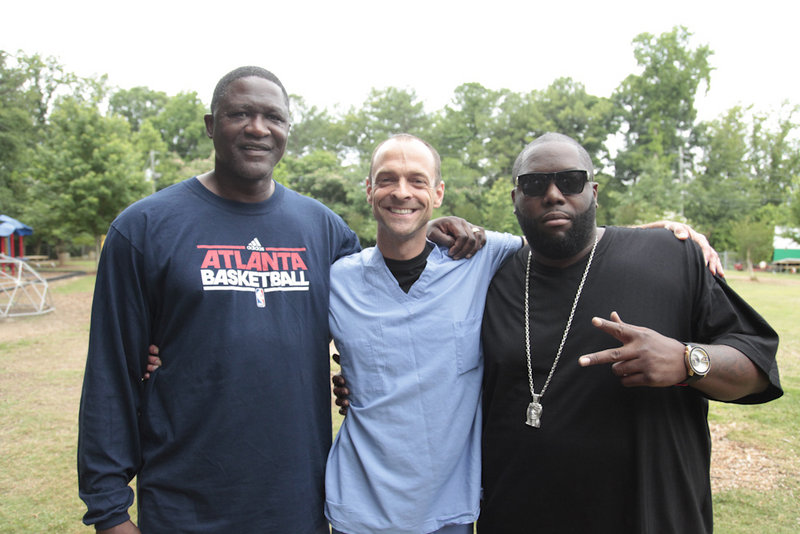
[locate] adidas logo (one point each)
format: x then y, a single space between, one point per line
255 244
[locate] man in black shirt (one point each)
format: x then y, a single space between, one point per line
581 437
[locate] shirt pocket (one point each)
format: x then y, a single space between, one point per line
363 366
468 343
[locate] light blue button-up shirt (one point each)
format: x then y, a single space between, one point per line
407 458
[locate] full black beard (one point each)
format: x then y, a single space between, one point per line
556 247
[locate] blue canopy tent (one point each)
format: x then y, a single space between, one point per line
10 227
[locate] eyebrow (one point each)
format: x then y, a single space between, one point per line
250 106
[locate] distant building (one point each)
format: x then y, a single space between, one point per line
785 251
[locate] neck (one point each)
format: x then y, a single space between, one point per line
401 250
563 263
237 189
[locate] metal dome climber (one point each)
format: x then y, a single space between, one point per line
22 290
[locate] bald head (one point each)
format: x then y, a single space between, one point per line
407 138
553 137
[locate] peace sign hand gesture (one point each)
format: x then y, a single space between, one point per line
646 358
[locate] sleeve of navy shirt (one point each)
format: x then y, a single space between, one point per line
108 442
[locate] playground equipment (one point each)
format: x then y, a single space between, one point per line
22 290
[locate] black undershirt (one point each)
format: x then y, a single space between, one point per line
408 271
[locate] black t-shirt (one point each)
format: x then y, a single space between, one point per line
606 459
408 271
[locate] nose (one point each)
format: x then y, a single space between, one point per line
553 194
401 189
258 126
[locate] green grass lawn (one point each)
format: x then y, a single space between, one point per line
41 368
770 428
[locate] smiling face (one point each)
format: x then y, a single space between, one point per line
249 128
558 227
403 190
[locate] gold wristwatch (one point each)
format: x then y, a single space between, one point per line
698 363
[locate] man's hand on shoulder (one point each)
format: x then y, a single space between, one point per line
683 231
462 238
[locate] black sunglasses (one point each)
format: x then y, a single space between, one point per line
535 184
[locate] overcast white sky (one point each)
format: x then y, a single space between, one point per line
332 52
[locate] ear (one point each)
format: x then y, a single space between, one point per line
513 195
209 120
438 193
368 184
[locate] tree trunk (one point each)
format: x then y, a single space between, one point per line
62 254
750 267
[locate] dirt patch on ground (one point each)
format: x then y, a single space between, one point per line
735 465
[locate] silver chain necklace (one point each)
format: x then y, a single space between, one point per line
534 412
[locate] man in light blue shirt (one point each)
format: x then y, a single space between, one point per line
406 320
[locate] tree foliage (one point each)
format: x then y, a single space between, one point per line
385 112
754 240
87 172
137 105
182 127
28 86
74 152
17 132
656 113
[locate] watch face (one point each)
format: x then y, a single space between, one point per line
699 361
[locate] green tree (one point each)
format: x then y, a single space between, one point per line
384 113
722 190
45 79
567 108
747 170
17 134
657 115
775 154
462 195
161 167
314 129
464 127
137 104
87 171
28 85
182 126
517 120
793 231
497 211
754 239
321 175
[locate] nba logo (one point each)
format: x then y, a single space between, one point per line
260 302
